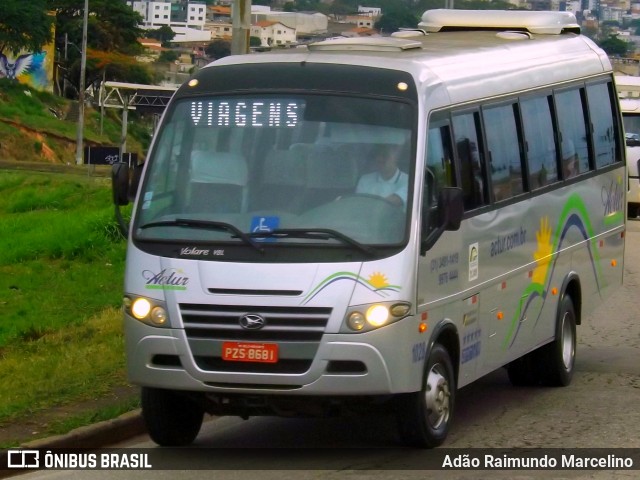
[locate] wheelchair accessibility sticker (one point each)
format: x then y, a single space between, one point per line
264 225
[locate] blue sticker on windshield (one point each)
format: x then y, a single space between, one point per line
264 225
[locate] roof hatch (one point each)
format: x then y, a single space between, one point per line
376 44
537 22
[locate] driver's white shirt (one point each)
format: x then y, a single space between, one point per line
373 184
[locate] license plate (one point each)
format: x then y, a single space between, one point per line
250 352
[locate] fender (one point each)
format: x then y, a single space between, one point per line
446 333
571 286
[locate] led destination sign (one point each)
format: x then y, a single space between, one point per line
246 113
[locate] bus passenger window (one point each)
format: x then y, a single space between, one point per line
573 133
504 152
570 159
604 131
439 167
471 160
540 143
438 172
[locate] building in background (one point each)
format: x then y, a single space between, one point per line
186 18
273 34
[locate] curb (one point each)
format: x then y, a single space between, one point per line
98 435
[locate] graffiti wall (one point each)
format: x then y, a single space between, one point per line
31 68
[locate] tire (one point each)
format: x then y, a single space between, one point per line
558 357
424 417
173 419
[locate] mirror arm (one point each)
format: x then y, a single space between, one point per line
123 227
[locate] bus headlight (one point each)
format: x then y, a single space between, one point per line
365 318
151 312
377 315
140 308
158 316
356 321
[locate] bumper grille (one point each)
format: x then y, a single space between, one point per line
296 330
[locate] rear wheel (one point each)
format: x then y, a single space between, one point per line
558 357
424 417
172 418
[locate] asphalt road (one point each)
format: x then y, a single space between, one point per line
600 409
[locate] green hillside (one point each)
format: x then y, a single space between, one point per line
41 127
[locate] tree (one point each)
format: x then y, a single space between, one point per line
24 25
218 48
614 46
396 18
484 5
169 56
113 25
164 34
112 28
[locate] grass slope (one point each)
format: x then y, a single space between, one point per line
61 271
32 127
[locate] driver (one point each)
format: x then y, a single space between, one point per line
387 181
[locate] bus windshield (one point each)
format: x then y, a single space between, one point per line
273 170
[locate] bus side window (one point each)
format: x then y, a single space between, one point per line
540 143
573 132
504 150
439 168
605 133
470 160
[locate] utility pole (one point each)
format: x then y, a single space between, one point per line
240 26
83 67
66 65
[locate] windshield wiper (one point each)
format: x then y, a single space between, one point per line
207 225
315 234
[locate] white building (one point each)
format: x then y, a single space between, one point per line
303 23
186 18
220 30
273 34
612 14
574 6
361 21
370 11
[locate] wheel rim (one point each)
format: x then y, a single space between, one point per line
567 343
438 397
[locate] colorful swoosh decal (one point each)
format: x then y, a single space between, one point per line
376 283
574 215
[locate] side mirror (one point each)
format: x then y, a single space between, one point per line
125 183
135 181
449 213
451 204
120 183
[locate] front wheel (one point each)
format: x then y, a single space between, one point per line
173 419
424 417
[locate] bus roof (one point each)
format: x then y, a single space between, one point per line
463 64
